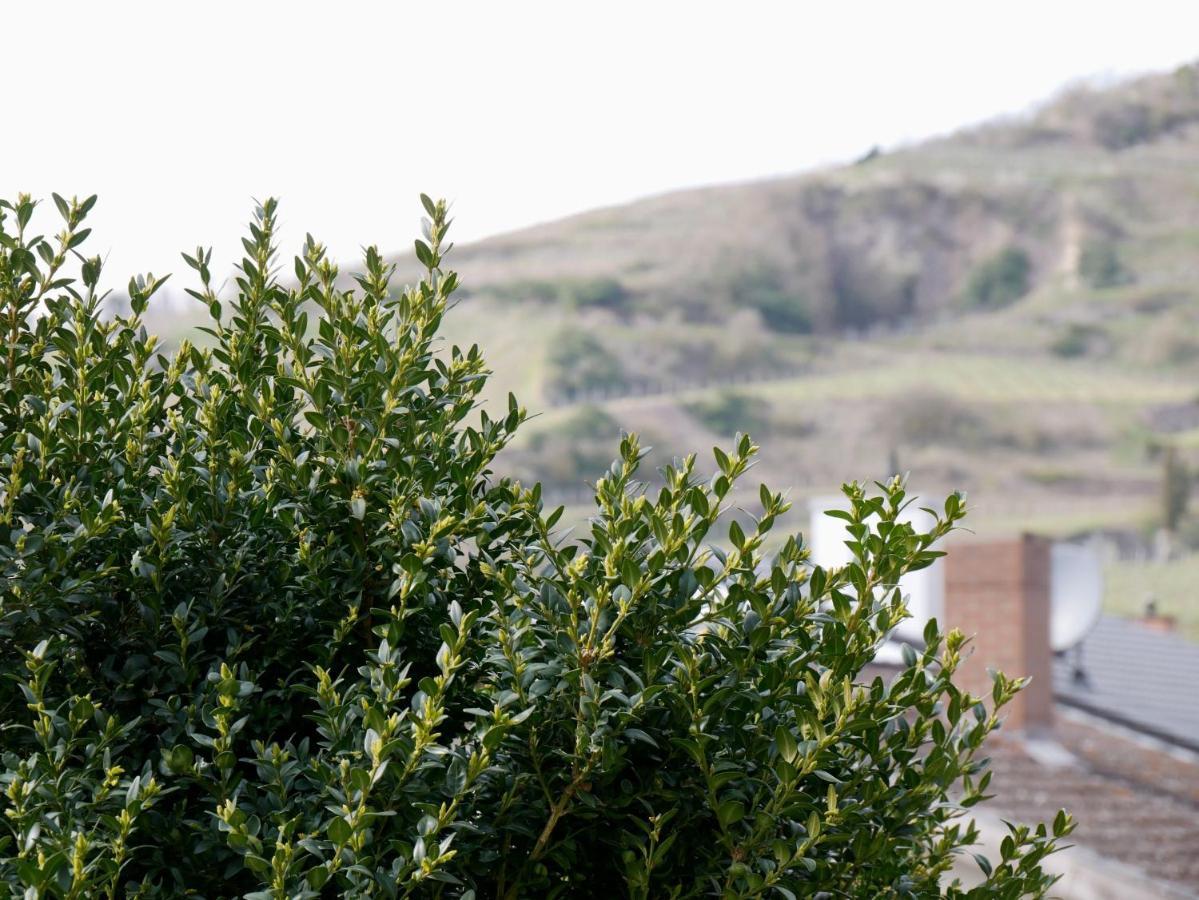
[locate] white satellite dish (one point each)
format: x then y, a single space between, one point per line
827 535
924 590
1075 593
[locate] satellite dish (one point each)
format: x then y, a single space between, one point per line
924 590
827 535
1075 592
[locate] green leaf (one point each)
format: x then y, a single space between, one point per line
338 830
730 812
785 741
736 535
638 735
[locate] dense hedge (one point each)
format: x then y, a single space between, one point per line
270 628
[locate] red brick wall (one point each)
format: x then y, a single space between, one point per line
997 592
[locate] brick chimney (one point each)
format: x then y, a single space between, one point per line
997 593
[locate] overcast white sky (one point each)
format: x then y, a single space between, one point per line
177 114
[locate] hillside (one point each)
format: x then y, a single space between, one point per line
1011 310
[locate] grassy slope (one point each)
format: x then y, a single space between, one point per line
1049 411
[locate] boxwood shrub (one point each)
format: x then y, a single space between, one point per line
270 627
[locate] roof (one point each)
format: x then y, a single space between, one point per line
1131 675
1133 804
1136 800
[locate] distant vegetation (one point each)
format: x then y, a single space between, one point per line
1175 490
729 412
763 289
579 362
930 418
931 272
928 278
580 447
1125 124
1036 276
1079 340
580 293
865 295
1000 280
1099 265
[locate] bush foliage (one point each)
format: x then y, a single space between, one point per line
731 412
763 288
580 363
1001 280
270 628
577 293
1099 265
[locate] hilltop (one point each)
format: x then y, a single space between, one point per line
897 237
